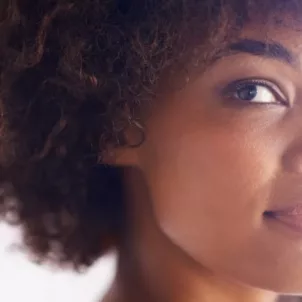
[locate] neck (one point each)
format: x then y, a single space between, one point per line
149 274
152 269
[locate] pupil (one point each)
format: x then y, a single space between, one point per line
248 92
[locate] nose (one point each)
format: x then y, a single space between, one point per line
292 159
291 136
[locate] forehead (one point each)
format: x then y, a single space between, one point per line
282 41
287 33
264 20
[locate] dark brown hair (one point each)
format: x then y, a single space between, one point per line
68 70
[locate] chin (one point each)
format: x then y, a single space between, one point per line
282 284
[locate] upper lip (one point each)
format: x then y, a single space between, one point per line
294 210
286 197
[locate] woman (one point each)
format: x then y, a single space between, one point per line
170 130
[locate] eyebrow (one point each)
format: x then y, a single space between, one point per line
272 50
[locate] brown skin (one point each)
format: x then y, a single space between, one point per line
198 187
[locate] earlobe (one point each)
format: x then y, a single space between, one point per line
120 157
127 153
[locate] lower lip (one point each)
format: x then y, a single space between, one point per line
291 224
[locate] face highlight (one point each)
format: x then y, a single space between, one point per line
224 153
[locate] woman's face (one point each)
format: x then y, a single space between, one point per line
225 153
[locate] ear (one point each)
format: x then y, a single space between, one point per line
120 156
127 154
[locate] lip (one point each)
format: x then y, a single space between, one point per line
290 217
294 210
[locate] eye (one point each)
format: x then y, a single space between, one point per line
256 91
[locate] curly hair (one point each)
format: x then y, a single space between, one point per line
69 69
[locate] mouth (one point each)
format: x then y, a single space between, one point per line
290 218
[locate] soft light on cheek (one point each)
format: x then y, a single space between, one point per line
211 183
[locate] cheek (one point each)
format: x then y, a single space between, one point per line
210 188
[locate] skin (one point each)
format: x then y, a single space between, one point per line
198 187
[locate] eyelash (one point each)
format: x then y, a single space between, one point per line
235 86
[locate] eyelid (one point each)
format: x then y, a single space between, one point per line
275 89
